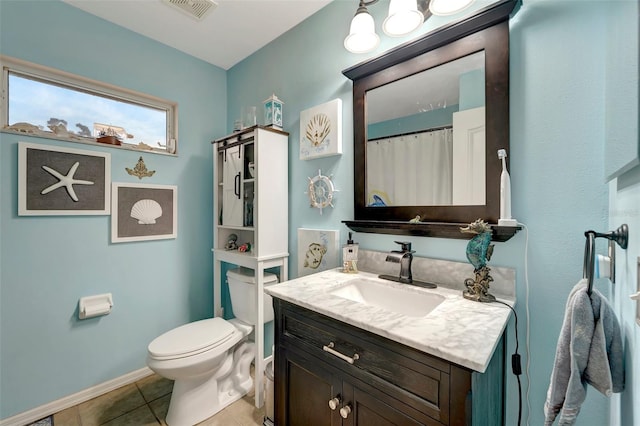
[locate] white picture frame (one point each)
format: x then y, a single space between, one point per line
318 250
143 212
55 181
321 130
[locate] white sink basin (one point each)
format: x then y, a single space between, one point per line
391 298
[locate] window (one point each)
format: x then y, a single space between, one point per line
53 104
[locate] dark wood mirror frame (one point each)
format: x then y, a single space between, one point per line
486 30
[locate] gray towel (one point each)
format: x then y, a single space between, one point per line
589 351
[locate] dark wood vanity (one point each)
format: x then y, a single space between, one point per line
377 381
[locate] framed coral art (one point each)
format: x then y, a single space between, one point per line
62 181
321 130
317 250
141 212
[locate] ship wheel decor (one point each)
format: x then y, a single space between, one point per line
321 191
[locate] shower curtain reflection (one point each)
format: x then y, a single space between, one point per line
410 170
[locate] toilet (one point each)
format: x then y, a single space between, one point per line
210 360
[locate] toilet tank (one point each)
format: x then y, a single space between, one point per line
242 282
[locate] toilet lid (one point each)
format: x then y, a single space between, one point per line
193 337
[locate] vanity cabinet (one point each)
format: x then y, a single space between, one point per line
317 395
251 190
331 373
250 200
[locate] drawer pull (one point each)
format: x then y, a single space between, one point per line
345 411
333 403
329 348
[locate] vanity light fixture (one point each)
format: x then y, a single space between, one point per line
362 36
448 7
403 18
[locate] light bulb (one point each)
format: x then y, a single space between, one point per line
404 17
362 36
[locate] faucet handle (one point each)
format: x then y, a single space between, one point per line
406 246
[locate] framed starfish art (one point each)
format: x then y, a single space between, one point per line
62 181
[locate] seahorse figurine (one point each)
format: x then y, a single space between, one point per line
479 251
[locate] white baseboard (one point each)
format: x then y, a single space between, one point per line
53 407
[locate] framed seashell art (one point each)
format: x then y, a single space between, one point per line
321 130
141 212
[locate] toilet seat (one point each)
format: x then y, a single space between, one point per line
191 339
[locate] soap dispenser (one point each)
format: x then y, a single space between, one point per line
350 256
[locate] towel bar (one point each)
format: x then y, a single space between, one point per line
619 236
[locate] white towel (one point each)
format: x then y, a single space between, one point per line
589 351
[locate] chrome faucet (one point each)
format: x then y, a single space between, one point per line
404 257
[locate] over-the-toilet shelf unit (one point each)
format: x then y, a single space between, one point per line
250 200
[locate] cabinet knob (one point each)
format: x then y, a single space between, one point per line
345 411
333 403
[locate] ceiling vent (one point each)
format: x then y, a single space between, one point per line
195 8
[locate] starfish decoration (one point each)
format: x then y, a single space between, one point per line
67 181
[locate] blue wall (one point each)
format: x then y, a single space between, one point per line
412 123
472 89
557 140
48 263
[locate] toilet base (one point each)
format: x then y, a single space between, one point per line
195 399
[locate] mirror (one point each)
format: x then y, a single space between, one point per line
429 148
400 97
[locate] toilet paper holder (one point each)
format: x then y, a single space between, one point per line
93 306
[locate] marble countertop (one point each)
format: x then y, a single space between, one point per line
458 330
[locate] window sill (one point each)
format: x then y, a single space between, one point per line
87 141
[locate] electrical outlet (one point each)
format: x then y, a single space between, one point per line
638 290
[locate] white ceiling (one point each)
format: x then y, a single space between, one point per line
223 37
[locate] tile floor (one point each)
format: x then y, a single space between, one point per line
145 403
